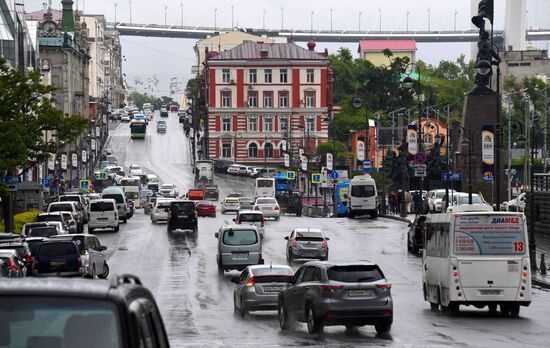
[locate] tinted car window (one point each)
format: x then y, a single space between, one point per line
61 207
272 271
250 218
362 190
42 231
355 273
266 201
307 235
44 218
116 197
102 206
265 183
57 249
183 206
69 199
240 237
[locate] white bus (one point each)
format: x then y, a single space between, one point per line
363 197
478 259
264 187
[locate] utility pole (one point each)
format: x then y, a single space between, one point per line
456 12
408 13
282 18
311 21
429 15
263 19
130 1
379 19
232 16
545 127
181 13
115 12
360 13
215 18
331 19
165 11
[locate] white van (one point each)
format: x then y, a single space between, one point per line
117 194
103 214
132 193
363 197
476 259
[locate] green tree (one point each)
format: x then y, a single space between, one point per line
342 152
26 113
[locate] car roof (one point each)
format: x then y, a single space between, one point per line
255 267
238 227
249 211
52 213
308 230
341 263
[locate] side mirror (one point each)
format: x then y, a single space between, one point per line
286 238
235 279
166 210
327 238
410 225
217 235
234 220
102 248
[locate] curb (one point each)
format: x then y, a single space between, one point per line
542 283
397 218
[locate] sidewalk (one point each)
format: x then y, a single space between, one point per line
542 243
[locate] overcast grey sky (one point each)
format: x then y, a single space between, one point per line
173 58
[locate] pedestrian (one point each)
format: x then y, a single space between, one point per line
408 202
391 199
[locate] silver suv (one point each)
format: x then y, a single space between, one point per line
238 247
337 293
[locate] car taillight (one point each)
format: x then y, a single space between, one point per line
72 222
294 242
324 243
331 288
250 282
383 286
257 208
263 221
12 265
29 258
79 262
277 207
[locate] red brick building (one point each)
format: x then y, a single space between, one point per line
259 95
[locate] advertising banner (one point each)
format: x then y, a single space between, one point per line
329 161
360 150
74 160
64 161
488 152
51 162
412 140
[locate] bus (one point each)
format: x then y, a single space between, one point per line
476 259
282 184
264 187
341 197
137 129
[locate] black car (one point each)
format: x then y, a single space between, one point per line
291 203
220 166
415 236
79 313
182 215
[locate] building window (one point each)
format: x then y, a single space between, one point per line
268 124
226 76
283 124
226 151
310 75
310 99
283 76
226 124
310 124
268 99
268 76
252 77
268 150
253 150
252 124
252 99
283 100
226 99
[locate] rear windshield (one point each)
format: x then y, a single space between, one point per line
355 273
61 207
362 190
118 198
42 231
35 321
102 206
272 271
135 183
43 218
69 198
465 200
166 187
265 201
163 204
308 234
57 249
20 249
250 218
273 279
131 195
183 206
34 245
264 183
240 237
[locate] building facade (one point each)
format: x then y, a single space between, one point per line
262 96
16 38
373 50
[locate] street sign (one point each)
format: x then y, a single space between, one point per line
329 161
451 176
287 160
316 178
46 183
84 156
85 184
420 157
92 144
291 175
11 180
367 166
420 170
74 160
103 176
334 175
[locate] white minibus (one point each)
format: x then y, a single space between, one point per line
363 197
478 259
264 187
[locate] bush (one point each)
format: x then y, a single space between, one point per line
21 219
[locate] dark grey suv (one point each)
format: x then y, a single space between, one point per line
337 293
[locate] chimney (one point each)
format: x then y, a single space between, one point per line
67 20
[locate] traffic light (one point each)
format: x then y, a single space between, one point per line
486 9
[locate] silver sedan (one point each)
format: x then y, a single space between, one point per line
306 243
258 287
269 206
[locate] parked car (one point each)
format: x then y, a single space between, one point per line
337 293
236 169
435 199
415 235
221 166
206 208
231 205
103 214
460 202
160 211
94 259
267 173
116 313
182 215
17 268
72 207
251 217
268 206
238 247
258 287
306 243
246 202
516 204
57 258
23 252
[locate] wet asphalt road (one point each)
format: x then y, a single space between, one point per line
197 304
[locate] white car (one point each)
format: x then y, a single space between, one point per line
160 210
254 171
125 117
460 203
516 204
152 178
135 170
231 204
236 169
168 190
435 199
268 206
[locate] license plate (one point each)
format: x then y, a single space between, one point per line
57 263
243 255
490 292
359 293
272 289
183 216
102 219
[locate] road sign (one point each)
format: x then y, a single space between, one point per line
103 176
451 176
85 184
291 175
420 157
420 170
316 178
46 183
360 150
334 175
10 180
367 166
